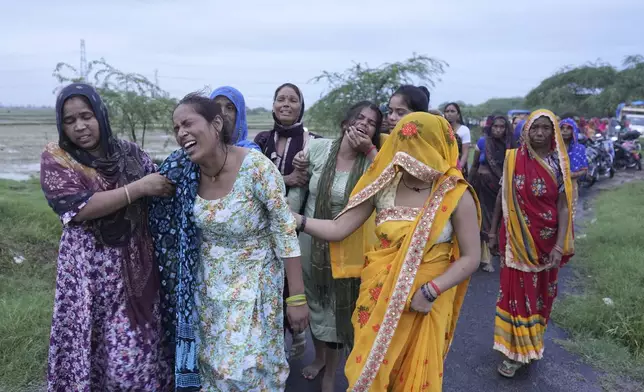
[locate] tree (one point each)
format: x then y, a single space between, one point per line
135 104
594 89
360 82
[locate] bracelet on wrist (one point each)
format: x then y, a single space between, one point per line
558 249
424 289
302 224
296 298
127 194
435 287
373 147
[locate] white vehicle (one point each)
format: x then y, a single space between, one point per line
634 116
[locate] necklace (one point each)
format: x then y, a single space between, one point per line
214 178
413 188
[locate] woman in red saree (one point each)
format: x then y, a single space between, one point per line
535 239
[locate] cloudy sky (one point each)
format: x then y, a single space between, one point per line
495 48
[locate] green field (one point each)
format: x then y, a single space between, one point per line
24 133
609 261
30 234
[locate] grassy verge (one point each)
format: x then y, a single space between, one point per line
29 230
610 264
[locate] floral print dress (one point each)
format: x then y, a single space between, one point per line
245 235
93 345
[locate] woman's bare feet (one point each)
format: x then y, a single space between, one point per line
311 372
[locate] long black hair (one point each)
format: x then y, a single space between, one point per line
415 98
355 111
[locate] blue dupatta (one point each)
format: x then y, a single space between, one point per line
241 125
576 150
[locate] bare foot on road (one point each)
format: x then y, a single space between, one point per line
311 372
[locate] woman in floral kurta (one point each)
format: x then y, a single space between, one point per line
245 235
105 333
223 243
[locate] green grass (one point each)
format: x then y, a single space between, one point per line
609 262
30 229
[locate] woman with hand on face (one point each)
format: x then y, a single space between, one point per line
223 243
414 264
534 210
106 329
335 166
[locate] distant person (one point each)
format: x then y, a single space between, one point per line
577 156
486 172
518 131
223 243
106 330
515 121
534 213
335 166
281 144
455 117
233 107
385 128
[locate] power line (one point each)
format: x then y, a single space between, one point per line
83 61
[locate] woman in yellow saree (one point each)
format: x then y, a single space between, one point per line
414 263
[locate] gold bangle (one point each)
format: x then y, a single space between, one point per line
127 194
298 303
296 298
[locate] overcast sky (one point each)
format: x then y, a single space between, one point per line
495 48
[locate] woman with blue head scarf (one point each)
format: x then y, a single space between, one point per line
577 155
233 108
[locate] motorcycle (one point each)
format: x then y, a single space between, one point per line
600 155
628 150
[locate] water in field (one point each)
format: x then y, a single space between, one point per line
24 133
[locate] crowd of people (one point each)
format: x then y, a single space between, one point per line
189 276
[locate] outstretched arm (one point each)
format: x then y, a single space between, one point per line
339 228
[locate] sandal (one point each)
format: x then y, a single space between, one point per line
298 347
508 368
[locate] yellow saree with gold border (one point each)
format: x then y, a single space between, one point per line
396 349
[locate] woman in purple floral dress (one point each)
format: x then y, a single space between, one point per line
106 331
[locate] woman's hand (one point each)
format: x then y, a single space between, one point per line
297 179
298 317
419 303
555 256
155 185
300 162
358 140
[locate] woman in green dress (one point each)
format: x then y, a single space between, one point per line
334 167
